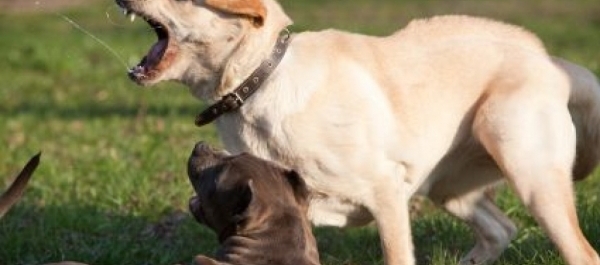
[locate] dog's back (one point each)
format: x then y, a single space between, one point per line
452 27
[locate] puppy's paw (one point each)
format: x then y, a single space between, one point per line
204 260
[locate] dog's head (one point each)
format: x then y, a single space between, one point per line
238 192
196 38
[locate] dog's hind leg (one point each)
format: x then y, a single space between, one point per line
461 192
463 179
530 135
493 230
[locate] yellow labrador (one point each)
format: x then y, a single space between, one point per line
444 107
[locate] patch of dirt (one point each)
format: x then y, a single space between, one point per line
39 6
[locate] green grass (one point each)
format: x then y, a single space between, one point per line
112 187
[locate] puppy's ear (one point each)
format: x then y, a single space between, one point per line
253 9
243 202
301 192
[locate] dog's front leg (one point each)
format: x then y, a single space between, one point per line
390 209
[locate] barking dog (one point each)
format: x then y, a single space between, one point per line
257 209
445 107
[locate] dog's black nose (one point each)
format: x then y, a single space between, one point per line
204 156
202 149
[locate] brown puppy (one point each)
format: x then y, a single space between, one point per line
257 209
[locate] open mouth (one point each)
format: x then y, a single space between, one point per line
161 55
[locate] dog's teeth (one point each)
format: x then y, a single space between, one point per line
125 11
132 17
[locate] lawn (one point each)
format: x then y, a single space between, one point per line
112 186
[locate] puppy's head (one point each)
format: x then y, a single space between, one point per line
196 37
237 192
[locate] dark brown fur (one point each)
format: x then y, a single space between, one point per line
257 209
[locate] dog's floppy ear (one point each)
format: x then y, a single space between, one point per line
301 192
254 9
243 202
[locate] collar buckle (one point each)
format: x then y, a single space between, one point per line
232 101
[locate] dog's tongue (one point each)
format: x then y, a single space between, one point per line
156 53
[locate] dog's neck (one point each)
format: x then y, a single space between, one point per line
262 242
253 49
235 99
214 77
248 57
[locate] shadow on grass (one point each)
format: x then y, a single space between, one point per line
361 246
36 235
440 239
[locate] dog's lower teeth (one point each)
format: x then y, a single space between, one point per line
132 17
137 70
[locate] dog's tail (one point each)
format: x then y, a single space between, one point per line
14 192
584 106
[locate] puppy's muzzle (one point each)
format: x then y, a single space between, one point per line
203 167
204 156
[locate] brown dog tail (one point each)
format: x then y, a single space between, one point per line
14 192
584 106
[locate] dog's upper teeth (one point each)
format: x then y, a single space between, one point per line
128 13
